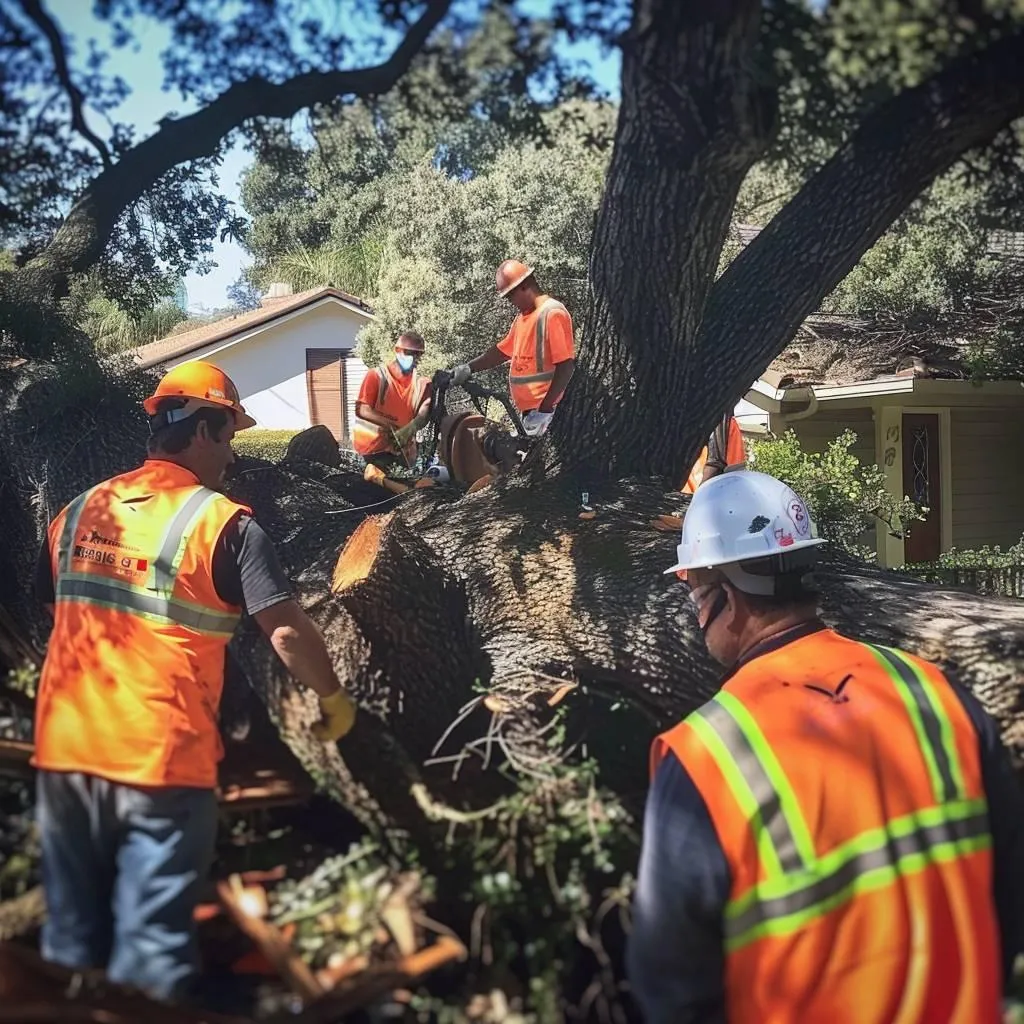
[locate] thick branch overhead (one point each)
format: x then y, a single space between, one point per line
34 10
83 236
818 237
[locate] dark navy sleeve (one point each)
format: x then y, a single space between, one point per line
675 958
1006 822
246 569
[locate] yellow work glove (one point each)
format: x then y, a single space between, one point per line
339 713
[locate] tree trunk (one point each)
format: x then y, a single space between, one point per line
667 353
693 120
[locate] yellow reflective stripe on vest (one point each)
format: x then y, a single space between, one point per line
382 389
105 593
758 782
934 730
868 862
67 535
540 341
799 885
172 548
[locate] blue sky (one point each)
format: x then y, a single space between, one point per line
142 69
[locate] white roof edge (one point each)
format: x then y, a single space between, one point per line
216 345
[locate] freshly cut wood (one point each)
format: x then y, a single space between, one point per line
359 553
270 942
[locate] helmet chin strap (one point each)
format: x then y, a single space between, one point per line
717 607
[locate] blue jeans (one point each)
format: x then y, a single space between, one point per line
122 872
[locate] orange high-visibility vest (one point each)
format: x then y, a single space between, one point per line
735 455
844 783
532 368
134 670
399 396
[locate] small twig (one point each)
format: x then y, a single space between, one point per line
437 811
464 713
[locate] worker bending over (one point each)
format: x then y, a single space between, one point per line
724 448
539 345
837 835
393 404
147 575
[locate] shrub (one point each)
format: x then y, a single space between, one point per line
988 570
257 443
844 496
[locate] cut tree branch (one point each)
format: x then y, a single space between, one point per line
818 237
34 10
81 239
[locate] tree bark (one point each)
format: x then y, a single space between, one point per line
693 119
666 352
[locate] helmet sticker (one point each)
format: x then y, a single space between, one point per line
783 537
797 513
757 524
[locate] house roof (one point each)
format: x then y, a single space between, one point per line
835 350
173 346
839 350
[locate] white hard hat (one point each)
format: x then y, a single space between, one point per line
744 516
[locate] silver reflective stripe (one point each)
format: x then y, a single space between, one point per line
126 598
765 794
540 341
382 390
168 561
897 850
67 536
929 720
533 378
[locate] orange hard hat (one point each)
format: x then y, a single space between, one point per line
204 385
410 341
510 275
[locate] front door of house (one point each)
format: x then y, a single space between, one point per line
325 389
923 542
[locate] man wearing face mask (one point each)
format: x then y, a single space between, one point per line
147 575
539 348
837 834
393 404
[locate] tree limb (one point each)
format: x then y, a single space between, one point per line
81 239
34 10
817 238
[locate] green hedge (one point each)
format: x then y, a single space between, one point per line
257 443
988 570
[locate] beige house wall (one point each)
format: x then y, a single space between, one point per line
988 476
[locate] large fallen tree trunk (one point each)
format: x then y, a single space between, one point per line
469 625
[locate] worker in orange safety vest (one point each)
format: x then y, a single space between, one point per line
724 449
837 834
539 347
147 575
393 404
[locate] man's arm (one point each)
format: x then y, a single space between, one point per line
1006 823
371 415
488 360
717 444
247 572
563 374
676 957
300 646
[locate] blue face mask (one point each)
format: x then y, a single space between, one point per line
405 363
